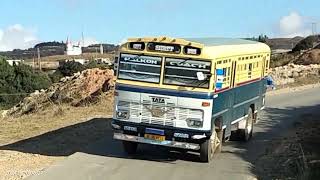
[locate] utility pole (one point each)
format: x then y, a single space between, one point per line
33 62
314 28
39 60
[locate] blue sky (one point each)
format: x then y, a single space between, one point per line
114 20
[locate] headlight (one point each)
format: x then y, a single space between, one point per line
194 122
122 114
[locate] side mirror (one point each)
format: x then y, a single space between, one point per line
201 76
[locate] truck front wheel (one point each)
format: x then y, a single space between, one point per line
211 146
130 147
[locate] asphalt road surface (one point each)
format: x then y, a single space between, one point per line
105 158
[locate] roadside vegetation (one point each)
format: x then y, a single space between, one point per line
17 81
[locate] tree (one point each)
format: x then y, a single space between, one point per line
70 67
17 80
261 38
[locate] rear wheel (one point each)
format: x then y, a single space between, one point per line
211 146
246 134
130 147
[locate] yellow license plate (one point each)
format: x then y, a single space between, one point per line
155 137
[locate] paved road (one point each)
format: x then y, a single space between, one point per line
106 160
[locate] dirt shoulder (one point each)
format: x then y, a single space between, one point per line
32 143
292 88
296 154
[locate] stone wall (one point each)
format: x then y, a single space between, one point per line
288 74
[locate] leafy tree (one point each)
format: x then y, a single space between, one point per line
17 80
94 64
261 38
70 67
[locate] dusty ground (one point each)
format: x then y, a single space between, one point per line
17 165
296 155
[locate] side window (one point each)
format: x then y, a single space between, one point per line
250 70
224 71
223 74
115 65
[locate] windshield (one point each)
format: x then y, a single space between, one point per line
140 68
183 72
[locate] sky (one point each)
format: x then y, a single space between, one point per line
24 23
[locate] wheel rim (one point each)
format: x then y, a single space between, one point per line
249 124
214 143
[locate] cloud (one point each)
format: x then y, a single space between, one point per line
17 37
294 25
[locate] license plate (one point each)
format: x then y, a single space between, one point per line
155 137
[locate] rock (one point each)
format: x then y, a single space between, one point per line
4 113
295 74
287 74
78 90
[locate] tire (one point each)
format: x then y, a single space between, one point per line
220 138
205 151
130 147
211 146
246 134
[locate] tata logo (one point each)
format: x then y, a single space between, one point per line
157 99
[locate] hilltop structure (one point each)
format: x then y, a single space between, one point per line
72 49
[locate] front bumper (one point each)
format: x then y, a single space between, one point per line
174 144
129 131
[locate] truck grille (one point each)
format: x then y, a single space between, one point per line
142 113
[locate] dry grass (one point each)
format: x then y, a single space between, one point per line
54 117
31 143
89 56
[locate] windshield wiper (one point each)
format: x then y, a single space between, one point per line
207 80
201 83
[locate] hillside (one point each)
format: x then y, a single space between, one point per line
283 43
52 49
307 43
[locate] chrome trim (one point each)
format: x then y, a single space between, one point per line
219 113
199 136
237 120
182 145
245 102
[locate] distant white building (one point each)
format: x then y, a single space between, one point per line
14 61
72 49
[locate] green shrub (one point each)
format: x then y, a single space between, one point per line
70 67
94 64
17 81
56 76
